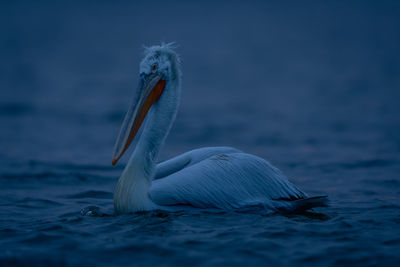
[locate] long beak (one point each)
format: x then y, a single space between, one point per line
152 87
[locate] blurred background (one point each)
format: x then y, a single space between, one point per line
313 87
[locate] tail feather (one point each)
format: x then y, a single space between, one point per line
309 203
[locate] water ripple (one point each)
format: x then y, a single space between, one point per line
91 194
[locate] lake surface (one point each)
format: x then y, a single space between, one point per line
314 88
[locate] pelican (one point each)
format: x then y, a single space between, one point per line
208 178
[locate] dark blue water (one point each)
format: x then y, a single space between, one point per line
314 88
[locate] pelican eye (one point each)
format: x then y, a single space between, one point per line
154 67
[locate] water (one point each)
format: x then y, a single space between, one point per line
313 88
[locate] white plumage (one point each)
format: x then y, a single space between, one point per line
212 177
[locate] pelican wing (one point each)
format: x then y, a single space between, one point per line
171 166
192 157
225 181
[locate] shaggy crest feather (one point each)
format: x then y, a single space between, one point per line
163 55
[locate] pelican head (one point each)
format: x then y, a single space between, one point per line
158 92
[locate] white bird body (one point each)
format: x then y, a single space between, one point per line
224 180
211 177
